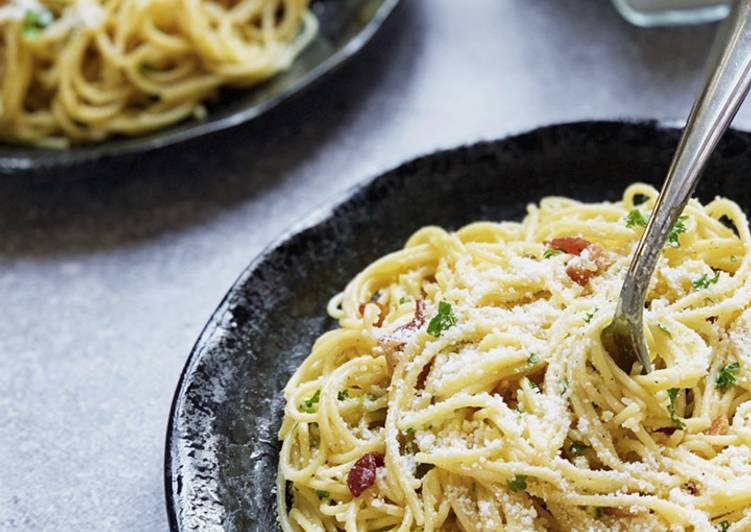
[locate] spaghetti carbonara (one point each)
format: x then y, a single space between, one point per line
467 388
83 70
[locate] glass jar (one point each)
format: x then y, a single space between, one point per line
650 13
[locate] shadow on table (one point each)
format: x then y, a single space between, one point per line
140 197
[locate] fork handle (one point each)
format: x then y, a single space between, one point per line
726 86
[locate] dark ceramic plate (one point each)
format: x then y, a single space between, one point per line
345 27
221 453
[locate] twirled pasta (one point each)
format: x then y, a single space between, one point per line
501 409
83 70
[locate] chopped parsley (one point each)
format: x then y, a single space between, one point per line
723 526
35 21
635 218
404 299
599 512
374 397
677 423
577 448
678 229
410 431
705 281
518 483
733 258
550 252
664 329
323 494
532 360
309 405
442 321
564 387
588 317
727 378
343 395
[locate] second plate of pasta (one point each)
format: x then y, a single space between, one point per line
91 78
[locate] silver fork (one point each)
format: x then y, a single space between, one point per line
729 76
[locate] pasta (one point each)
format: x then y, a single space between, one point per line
467 388
83 70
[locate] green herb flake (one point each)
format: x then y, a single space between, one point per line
343 395
442 321
564 387
678 229
533 360
550 252
664 329
374 397
733 258
323 494
404 299
518 483
35 21
589 315
677 422
410 431
599 512
727 376
577 448
723 526
705 281
309 405
635 218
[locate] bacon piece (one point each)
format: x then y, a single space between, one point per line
599 256
419 319
390 348
423 376
579 275
573 245
381 316
616 511
592 260
394 342
720 426
363 473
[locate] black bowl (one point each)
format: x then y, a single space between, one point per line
221 453
345 27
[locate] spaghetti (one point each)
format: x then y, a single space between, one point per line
83 70
467 388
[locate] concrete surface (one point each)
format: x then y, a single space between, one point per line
105 284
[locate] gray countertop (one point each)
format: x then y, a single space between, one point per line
106 283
